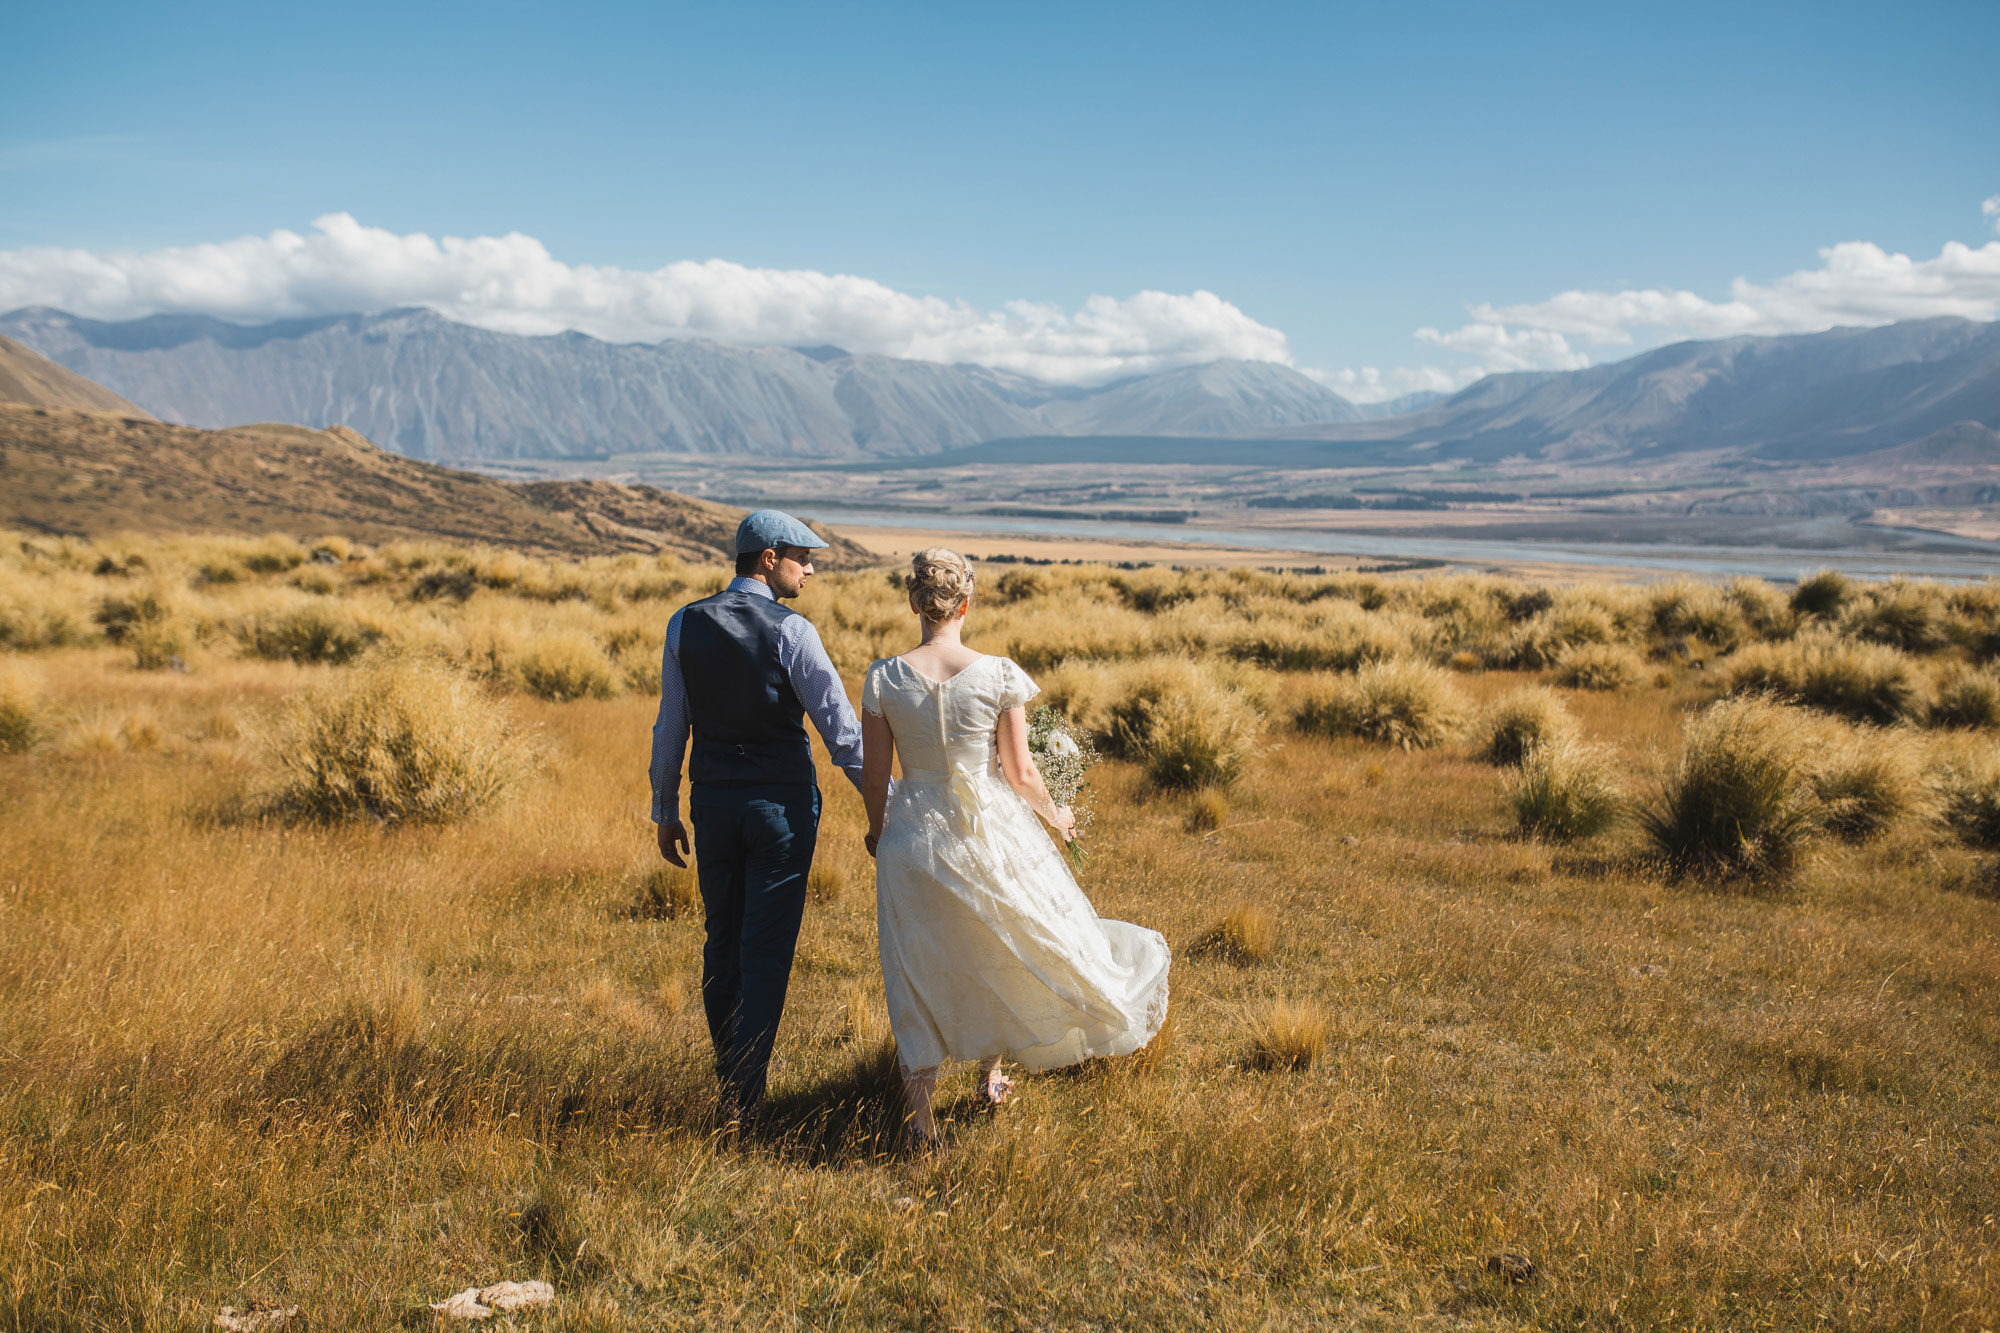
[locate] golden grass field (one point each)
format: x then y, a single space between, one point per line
251 1053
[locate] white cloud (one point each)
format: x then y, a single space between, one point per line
513 284
1856 283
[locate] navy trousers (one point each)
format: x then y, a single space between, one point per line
753 849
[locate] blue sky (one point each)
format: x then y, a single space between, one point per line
1342 176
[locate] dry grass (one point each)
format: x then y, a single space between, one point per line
1598 666
1566 790
1246 934
1739 801
1288 1035
404 740
1507 729
1407 704
22 724
357 1065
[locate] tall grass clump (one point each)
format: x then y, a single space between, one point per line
1968 787
22 722
1404 703
1565 789
1288 1035
1246 934
403 741
316 630
566 665
1903 615
1864 682
1821 594
1598 666
1515 724
1184 728
1866 784
1738 801
1967 700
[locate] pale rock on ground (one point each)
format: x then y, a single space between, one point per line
507 1297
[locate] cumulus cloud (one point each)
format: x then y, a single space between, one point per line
513 284
1991 210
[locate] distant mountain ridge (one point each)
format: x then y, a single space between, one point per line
1796 397
429 388
28 377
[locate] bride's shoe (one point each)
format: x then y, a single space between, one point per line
997 1090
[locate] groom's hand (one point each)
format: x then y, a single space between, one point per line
674 842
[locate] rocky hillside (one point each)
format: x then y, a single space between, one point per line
89 473
29 378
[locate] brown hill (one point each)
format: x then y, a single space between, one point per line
88 473
26 376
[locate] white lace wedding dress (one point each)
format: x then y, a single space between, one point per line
988 945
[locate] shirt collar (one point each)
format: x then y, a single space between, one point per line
757 586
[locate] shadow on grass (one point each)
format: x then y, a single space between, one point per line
852 1119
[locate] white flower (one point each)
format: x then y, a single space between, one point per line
1062 746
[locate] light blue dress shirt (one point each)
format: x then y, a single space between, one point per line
813 678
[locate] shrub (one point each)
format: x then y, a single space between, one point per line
318 630
1288 1036
274 555
1865 682
1508 729
1546 638
1245 934
1822 594
1968 784
1207 812
1565 790
1184 728
1767 614
159 644
1738 800
1684 610
1340 639
22 723
1598 666
1902 615
1967 699
1402 702
565 665
402 741
1865 785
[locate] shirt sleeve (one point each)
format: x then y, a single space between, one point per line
670 729
1016 688
818 686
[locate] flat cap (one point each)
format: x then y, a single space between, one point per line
773 530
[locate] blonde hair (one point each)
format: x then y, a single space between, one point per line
939 583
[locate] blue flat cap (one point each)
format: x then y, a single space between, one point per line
773 530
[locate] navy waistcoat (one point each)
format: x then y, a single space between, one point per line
749 726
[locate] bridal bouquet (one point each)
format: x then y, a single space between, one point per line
1063 754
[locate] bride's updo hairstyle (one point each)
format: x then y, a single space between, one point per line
940 583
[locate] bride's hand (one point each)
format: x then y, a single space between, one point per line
1065 823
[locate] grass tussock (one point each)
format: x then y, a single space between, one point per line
1246 934
1184 726
1288 1036
404 741
1863 682
1967 699
569 665
1518 722
1867 783
1566 790
23 714
1207 812
1968 787
1403 703
1738 801
1598 666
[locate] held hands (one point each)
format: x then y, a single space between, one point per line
871 841
674 842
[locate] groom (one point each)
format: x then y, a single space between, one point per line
744 670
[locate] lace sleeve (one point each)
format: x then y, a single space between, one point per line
871 690
1016 689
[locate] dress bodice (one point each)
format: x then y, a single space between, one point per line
945 726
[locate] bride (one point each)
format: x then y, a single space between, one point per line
989 949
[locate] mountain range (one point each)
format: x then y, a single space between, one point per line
429 388
424 386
